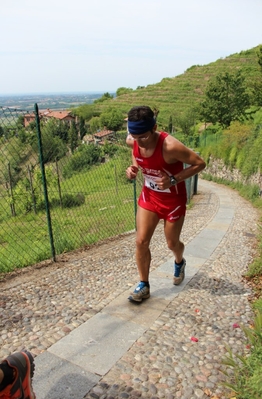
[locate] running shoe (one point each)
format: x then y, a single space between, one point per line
179 273
23 366
141 292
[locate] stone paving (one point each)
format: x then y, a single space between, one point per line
41 305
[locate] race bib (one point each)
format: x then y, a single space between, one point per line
150 182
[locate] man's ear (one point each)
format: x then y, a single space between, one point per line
154 128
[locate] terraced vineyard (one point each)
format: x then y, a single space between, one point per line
174 96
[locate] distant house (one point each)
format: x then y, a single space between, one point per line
104 135
47 114
29 118
88 139
61 115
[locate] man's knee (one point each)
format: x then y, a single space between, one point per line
172 244
142 243
175 245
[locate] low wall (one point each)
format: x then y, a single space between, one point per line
218 169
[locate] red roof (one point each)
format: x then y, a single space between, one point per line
103 133
52 114
59 114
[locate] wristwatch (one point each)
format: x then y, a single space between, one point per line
173 181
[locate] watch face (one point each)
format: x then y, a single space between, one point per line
173 180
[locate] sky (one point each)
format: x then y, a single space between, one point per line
68 46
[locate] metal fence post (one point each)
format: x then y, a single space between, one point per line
188 189
195 181
191 185
49 222
135 202
195 184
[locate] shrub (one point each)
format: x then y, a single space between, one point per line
52 146
71 201
67 201
233 156
240 160
82 159
27 198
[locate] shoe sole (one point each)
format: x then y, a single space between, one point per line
175 283
131 299
182 277
31 365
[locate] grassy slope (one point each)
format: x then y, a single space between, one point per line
173 96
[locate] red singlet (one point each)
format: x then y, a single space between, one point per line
168 204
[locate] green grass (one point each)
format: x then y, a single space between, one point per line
246 381
108 211
25 242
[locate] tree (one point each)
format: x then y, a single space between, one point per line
58 128
94 124
73 136
225 99
20 122
82 159
82 128
52 146
187 121
86 111
112 119
106 96
123 90
257 85
22 193
170 125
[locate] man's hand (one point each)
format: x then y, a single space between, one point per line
131 172
163 180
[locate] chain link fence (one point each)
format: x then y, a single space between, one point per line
57 192
60 189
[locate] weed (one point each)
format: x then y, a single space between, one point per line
246 380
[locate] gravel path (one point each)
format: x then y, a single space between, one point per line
42 304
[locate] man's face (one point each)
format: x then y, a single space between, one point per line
142 139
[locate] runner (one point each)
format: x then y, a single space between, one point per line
161 158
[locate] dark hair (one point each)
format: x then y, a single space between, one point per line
139 113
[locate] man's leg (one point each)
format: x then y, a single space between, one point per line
172 233
146 224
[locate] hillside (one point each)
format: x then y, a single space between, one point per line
173 96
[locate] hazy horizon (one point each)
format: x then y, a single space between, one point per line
64 47
55 93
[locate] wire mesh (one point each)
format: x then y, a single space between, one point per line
89 198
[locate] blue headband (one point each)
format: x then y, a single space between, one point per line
140 127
